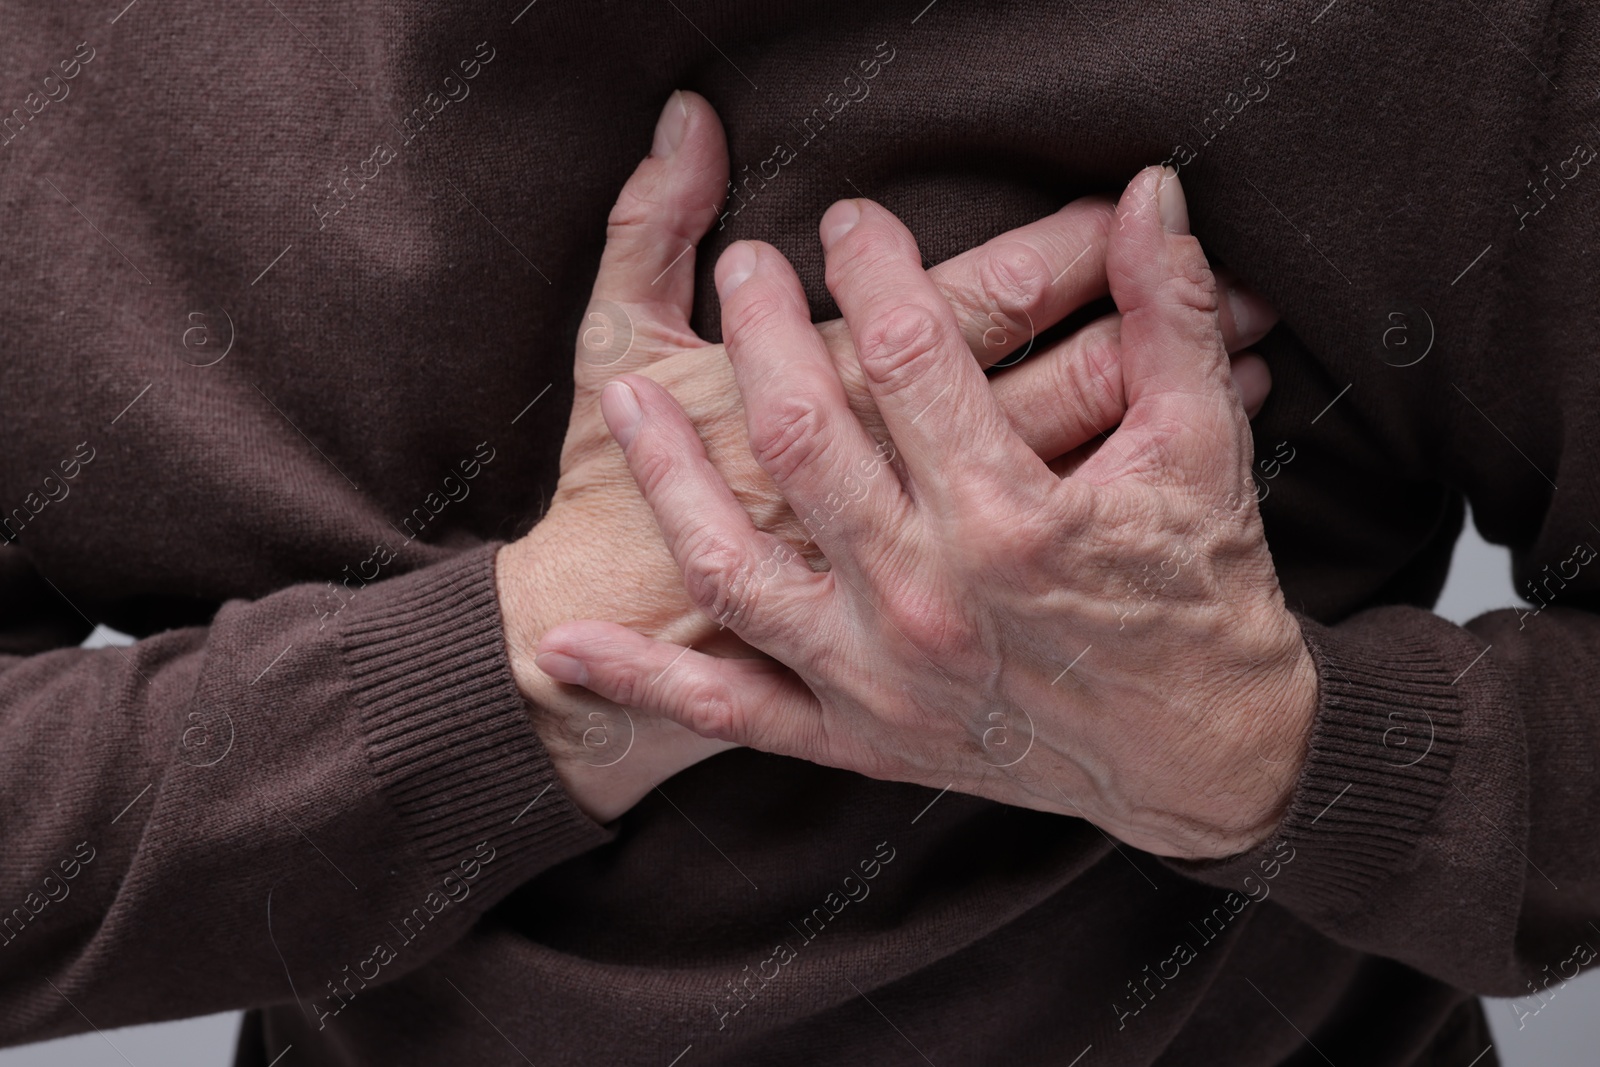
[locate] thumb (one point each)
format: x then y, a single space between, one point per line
644 291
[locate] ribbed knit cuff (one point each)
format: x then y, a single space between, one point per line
1383 745
447 733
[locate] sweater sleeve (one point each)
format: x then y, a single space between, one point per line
1446 815
274 808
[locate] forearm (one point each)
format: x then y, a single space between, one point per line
229 816
1444 817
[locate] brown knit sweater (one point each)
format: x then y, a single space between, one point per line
290 292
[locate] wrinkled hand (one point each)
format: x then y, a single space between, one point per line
970 583
598 550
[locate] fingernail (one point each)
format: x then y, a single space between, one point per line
839 220
563 668
621 409
1169 197
736 264
1252 315
670 126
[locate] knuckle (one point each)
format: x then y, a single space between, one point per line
898 343
1098 214
716 576
1190 284
1011 546
709 712
634 217
1154 451
628 686
1007 541
648 224
864 251
788 436
1015 281
760 313
1093 374
651 469
629 214
930 626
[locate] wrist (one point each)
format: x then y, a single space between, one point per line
1273 747
607 757
590 558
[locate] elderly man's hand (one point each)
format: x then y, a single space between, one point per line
598 550
1122 625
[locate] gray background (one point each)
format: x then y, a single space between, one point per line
1565 1032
